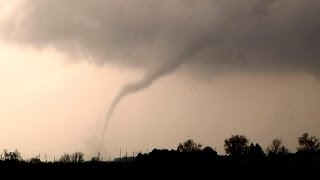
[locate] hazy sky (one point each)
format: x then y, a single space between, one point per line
196 69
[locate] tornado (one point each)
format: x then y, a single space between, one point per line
132 87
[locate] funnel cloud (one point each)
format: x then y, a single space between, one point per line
149 77
136 86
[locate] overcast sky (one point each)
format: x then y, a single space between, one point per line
170 70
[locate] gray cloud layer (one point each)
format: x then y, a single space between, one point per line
265 35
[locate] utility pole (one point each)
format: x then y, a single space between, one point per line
120 153
45 155
126 156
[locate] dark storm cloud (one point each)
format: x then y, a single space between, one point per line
266 35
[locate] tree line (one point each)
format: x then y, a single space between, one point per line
236 146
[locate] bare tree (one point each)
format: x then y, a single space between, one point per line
277 147
65 158
12 156
6 154
77 157
189 146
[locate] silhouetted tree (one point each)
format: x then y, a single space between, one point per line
35 160
236 145
6 154
141 157
277 147
77 157
308 143
208 149
12 156
66 158
189 146
95 159
208 154
255 151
